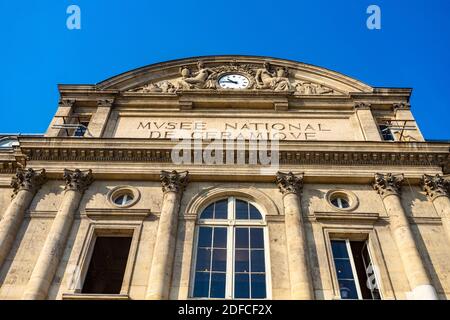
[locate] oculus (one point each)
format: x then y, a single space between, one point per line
342 200
123 196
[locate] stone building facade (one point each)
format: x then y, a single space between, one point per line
353 204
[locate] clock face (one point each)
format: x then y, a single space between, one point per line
233 81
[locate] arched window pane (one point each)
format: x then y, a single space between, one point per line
241 210
254 213
221 209
208 213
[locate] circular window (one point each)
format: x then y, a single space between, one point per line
123 199
342 200
123 196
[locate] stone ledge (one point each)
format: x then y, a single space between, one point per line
101 213
345 216
84 296
425 220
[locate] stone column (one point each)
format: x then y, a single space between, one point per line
158 286
25 184
99 119
367 122
290 186
44 270
65 107
388 187
404 116
438 191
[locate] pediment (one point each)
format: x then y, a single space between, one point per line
263 73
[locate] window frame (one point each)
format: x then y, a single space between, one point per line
352 263
231 223
96 230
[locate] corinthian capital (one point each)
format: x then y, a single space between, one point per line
77 180
28 179
105 103
362 105
172 181
289 182
66 103
388 184
435 186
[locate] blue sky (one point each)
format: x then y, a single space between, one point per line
412 49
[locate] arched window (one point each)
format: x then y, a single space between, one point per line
231 260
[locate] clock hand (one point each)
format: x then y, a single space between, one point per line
229 80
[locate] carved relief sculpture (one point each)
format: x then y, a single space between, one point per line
261 78
202 79
277 81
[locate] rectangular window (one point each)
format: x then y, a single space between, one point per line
354 269
107 265
386 132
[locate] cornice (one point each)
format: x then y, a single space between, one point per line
291 152
247 98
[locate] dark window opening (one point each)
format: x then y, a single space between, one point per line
80 131
107 266
354 269
386 132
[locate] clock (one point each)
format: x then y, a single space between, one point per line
233 81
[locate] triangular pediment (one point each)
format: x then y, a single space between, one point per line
256 73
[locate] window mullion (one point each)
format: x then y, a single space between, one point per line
211 260
230 263
249 265
230 250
